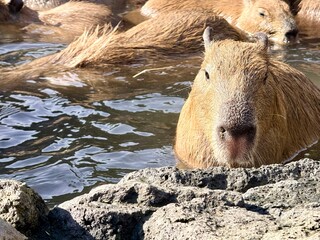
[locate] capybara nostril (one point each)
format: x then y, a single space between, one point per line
292 34
221 133
237 139
247 131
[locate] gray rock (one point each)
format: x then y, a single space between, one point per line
21 206
270 202
7 232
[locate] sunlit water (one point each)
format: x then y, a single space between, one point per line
66 132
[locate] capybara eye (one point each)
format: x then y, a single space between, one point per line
262 12
207 75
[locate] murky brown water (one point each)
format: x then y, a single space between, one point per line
66 132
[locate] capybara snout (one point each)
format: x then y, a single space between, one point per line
236 129
291 35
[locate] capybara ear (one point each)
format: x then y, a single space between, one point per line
15 6
207 37
262 40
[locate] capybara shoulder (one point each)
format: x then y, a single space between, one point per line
76 16
246 109
308 18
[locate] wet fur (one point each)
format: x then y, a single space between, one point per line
107 46
286 106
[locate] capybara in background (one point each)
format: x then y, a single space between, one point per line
68 20
273 17
246 109
43 4
114 5
308 18
168 33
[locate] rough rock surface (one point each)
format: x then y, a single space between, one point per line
270 202
21 206
7 232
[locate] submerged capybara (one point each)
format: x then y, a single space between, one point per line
273 17
148 40
246 109
68 20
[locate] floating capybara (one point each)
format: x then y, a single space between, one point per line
165 34
273 17
114 5
308 18
246 109
68 20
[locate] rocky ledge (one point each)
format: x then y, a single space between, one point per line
270 202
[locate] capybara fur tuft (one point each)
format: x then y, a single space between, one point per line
246 109
165 34
274 17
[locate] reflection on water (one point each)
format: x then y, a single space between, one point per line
65 132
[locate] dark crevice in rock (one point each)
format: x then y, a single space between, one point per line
256 208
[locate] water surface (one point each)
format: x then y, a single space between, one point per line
65 132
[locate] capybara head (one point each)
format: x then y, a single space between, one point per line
243 109
273 17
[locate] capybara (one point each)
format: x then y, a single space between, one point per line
68 20
147 40
273 17
246 109
43 4
308 18
114 5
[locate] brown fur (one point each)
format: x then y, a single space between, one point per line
246 86
154 37
114 5
308 18
245 14
68 20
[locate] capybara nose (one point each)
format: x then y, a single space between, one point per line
247 131
292 34
237 140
